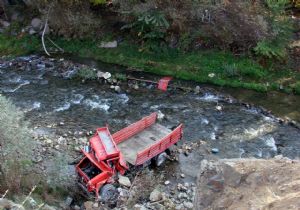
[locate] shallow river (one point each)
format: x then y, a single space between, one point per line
236 131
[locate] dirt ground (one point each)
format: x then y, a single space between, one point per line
249 184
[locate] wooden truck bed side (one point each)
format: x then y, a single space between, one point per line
160 146
134 128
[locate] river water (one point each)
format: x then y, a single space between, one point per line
36 86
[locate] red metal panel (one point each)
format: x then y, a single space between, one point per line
103 144
134 128
163 83
160 146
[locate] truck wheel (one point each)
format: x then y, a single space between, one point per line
160 159
107 193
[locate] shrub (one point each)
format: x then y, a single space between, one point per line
86 73
149 27
280 29
16 146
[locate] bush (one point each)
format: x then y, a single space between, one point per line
16 146
280 29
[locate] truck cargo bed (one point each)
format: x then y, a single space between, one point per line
141 141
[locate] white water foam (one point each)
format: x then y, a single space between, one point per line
204 121
270 142
124 98
14 79
35 105
77 98
66 106
12 90
97 104
213 136
209 97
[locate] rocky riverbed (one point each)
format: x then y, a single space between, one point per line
64 109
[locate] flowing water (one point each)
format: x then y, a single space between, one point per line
33 85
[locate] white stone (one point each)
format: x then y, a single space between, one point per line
188 205
36 23
112 44
139 207
124 181
117 89
155 195
160 115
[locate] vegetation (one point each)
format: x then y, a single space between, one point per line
228 70
185 39
16 147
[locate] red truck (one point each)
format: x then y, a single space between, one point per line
109 155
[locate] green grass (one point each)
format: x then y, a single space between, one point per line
229 70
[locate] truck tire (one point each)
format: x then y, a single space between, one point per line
107 192
160 159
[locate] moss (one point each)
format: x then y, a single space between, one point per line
229 70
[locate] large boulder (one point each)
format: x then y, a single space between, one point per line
36 24
248 184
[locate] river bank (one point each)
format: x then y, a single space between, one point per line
209 67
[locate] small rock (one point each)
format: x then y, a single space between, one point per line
68 201
219 108
197 90
112 44
49 141
182 175
139 207
167 182
188 205
117 89
215 150
96 205
124 181
155 195
31 31
61 123
76 207
61 140
135 86
88 205
179 207
37 159
160 115
4 23
36 23
123 193
182 195
107 75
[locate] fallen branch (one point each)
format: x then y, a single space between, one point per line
154 82
43 34
58 47
28 196
3 196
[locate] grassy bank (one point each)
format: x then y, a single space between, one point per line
212 67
